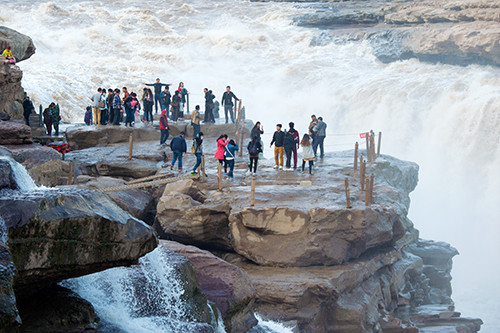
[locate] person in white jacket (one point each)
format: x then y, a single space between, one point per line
307 153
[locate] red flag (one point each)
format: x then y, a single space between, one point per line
362 135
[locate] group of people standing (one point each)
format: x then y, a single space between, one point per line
51 118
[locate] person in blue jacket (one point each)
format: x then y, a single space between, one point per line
178 146
230 153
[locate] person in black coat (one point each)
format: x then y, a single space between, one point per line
209 105
178 146
227 102
28 110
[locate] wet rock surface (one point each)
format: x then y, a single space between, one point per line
12 93
456 32
55 235
56 309
9 315
224 284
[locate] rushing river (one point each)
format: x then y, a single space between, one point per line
443 117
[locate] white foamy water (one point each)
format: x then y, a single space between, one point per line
443 117
143 300
23 180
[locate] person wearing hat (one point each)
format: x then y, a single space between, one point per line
157 87
7 53
197 151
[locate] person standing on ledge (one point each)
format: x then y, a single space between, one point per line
157 87
198 151
184 93
227 102
307 153
117 106
164 127
319 134
209 105
178 146
95 106
109 102
165 99
28 109
56 117
278 140
195 120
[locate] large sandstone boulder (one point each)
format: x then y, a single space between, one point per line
182 218
59 234
12 93
14 133
225 284
291 237
22 45
81 137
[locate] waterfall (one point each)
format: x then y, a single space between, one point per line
140 299
23 180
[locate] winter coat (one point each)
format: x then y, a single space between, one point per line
230 150
165 98
178 144
195 117
289 142
95 99
163 120
221 144
307 153
28 107
209 99
104 100
296 137
47 116
88 117
320 129
256 132
116 102
278 138
55 115
227 98
183 94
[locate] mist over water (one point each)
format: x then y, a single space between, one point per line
443 117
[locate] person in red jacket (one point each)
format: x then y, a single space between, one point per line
164 127
219 153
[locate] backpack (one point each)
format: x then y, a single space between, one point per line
253 149
289 140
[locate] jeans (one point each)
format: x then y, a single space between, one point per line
157 100
104 116
253 163
198 161
177 156
319 142
196 130
229 108
278 155
231 168
129 119
164 134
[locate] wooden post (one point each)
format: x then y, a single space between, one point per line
356 146
362 169
252 194
379 142
367 137
347 193
70 175
367 192
372 147
130 143
219 176
202 168
372 178
242 132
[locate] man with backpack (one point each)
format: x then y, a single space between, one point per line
178 146
254 148
164 127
